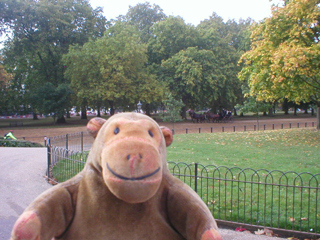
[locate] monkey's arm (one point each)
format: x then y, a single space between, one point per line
47 216
189 215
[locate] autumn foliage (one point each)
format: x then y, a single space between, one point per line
284 59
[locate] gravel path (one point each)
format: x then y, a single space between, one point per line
21 180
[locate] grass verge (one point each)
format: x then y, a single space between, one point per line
268 178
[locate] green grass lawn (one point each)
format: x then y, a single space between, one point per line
285 150
229 180
271 196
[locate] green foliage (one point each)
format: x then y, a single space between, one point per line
252 105
113 68
169 37
284 58
41 35
140 56
5 79
55 100
173 108
227 40
192 75
17 143
143 16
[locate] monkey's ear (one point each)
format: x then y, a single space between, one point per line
94 126
168 136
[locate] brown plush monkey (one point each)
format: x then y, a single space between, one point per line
125 191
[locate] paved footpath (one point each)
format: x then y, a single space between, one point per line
22 172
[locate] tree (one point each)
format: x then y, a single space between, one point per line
5 79
113 69
192 75
143 16
42 32
228 41
283 62
173 108
169 37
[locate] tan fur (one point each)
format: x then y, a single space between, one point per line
125 191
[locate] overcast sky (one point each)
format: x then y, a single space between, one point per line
194 11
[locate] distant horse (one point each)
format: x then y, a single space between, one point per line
212 117
195 117
225 116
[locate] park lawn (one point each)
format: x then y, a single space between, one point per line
249 197
266 198
295 150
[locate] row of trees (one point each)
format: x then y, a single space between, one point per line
64 53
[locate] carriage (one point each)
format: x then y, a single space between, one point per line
223 116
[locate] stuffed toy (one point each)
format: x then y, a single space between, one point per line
125 191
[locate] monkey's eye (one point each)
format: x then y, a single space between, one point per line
150 133
116 130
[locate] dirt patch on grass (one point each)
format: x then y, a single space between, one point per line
37 134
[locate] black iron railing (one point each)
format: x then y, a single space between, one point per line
274 199
283 201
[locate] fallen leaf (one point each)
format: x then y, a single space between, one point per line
291 219
259 232
268 232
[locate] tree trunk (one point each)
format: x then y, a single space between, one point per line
184 112
285 107
111 104
61 119
84 113
235 112
318 117
148 109
99 114
35 116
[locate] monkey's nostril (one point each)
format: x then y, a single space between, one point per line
140 155
128 157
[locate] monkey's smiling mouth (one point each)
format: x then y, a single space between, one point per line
132 178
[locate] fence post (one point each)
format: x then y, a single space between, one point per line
234 128
196 177
211 129
67 141
199 130
81 141
48 158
